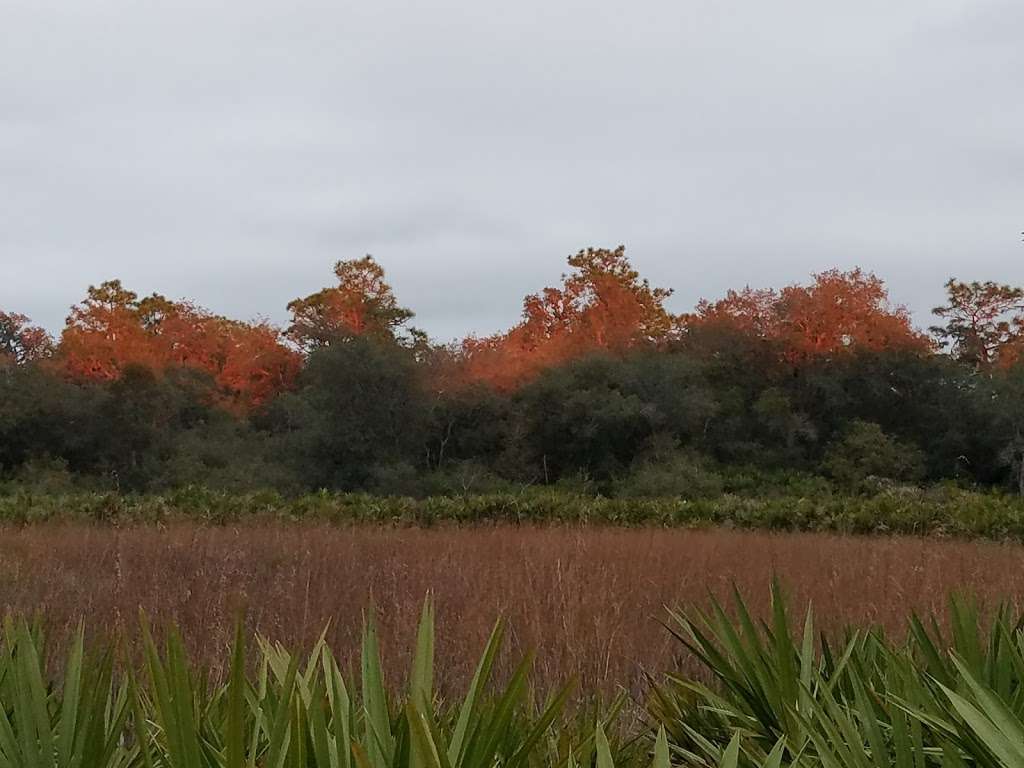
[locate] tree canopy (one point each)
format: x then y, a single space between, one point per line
598 384
361 304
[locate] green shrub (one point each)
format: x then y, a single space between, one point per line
946 511
680 475
864 456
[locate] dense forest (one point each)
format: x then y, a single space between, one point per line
598 387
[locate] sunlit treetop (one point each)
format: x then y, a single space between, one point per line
984 322
113 330
361 304
838 313
602 305
104 333
21 342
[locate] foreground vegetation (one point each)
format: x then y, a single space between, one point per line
943 510
774 697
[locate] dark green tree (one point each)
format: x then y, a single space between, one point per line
359 406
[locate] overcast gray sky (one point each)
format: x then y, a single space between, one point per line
231 150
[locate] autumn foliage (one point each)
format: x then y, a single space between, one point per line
362 304
838 313
601 305
113 329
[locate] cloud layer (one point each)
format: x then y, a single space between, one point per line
231 151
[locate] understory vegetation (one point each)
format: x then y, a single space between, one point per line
803 506
770 695
647 425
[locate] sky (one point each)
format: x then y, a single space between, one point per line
230 151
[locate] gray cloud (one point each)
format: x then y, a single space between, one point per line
232 151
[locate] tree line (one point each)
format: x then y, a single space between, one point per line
598 386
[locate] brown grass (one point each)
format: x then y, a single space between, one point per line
588 600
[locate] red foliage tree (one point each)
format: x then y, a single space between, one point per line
105 333
250 364
838 313
843 311
602 304
113 329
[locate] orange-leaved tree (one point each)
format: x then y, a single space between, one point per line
104 333
361 304
250 363
838 313
845 311
602 305
113 329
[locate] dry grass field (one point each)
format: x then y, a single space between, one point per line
588 600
